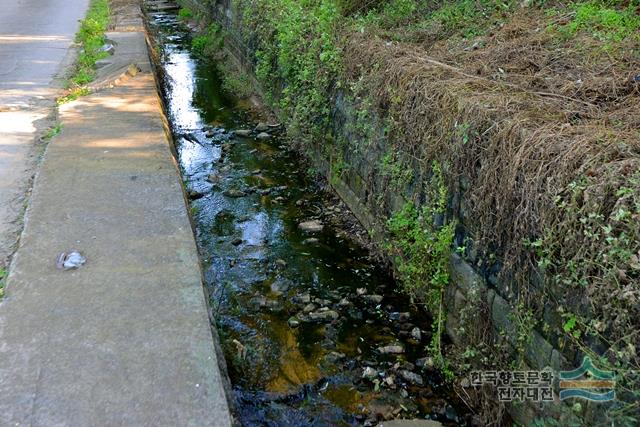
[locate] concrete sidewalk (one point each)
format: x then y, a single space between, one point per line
124 340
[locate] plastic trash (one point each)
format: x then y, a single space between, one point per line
69 261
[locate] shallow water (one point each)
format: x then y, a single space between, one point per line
248 197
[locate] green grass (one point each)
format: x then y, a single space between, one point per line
604 21
3 278
91 38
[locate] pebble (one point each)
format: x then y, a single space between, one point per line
375 299
302 298
312 226
234 193
344 303
425 363
195 194
391 349
416 334
369 373
324 316
411 377
261 127
293 322
334 357
400 317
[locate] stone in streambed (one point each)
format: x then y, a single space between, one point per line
334 357
312 226
213 178
242 132
416 334
411 377
399 317
234 193
425 363
302 298
262 127
391 349
369 373
375 299
196 194
263 136
411 423
323 316
293 322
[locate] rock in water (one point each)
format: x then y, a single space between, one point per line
263 136
375 299
242 132
262 127
391 349
313 226
324 316
400 317
234 193
294 322
195 194
411 377
416 334
369 373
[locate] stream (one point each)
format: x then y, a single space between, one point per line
313 330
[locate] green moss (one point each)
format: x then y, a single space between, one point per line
185 13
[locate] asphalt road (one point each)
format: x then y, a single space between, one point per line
35 36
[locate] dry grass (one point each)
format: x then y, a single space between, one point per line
546 132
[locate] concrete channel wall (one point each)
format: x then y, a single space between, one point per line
474 292
126 338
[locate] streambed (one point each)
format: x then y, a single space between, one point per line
312 328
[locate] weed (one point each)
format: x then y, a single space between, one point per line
299 50
209 43
90 36
421 255
52 131
185 13
3 278
73 94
